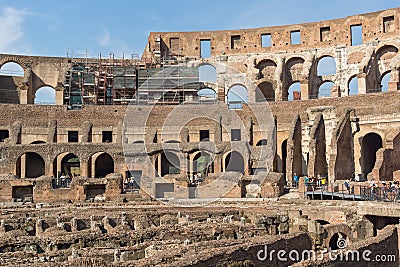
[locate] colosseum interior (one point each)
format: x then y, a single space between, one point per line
188 158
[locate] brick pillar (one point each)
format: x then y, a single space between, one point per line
84 168
217 164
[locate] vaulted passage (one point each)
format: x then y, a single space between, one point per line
234 162
203 163
70 165
30 165
170 163
104 165
265 92
344 165
297 166
371 143
321 166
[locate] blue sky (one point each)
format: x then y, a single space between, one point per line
51 27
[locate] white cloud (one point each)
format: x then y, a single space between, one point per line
104 39
11 21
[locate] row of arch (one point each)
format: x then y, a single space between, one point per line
325 70
370 143
32 165
201 162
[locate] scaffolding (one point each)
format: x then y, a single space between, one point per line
121 82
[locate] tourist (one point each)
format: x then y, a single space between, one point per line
323 183
347 185
295 180
306 181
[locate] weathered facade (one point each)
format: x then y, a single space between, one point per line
75 159
338 134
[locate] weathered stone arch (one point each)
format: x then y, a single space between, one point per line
341 161
331 229
266 68
234 161
30 165
323 57
294 158
293 71
265 92
317 158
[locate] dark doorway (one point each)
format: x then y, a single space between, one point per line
371 143
34 165
170 164
234 162
104 165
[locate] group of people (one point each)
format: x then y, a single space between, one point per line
195 179
129 183
319 181
385 189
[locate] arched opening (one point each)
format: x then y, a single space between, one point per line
265 92
237 95
385 79
46 95
11 69
294 92
70 165
11 75
138 142
338 241
284 156
30 165
371 143
104 165
293 73
386 52
234 162
203 163
207 94
266 69
170 163
353 86
207 73
326 66
262 142
325 89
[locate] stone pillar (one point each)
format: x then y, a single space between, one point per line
123 219
84 168
335 91
23 96
59 95
39 227
48 168
393 84
23 166
92 223
304 90
159 164
362 84
183 164
74 224
2 226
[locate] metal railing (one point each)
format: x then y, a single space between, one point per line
354 192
